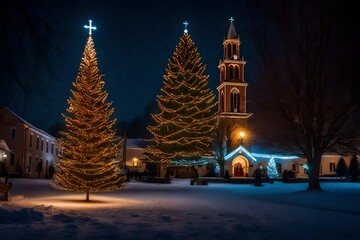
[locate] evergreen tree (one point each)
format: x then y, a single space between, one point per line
182 131
341 168
88 144
271 169
354 168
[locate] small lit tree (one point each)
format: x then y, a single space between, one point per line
272 170
88 144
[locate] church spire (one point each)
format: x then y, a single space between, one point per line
231 33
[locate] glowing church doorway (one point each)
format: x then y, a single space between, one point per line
240 167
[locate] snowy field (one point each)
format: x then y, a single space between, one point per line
181 211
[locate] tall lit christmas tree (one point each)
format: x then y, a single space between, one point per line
271 169
88 145
182 133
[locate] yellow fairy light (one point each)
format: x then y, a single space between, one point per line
185 121
88 145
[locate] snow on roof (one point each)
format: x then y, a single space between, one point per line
21 120
4 146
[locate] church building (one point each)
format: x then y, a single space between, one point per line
233 118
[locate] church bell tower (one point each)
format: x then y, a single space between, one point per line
232 88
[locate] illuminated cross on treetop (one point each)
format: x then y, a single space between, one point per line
231 19
185 23
90 27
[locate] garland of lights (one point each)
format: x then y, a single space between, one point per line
182 131
88 145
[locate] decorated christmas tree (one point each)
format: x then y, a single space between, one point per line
88 145
183 126
271 169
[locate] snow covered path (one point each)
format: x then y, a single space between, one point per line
181 211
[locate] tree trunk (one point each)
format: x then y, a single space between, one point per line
314 171
87 195
222 168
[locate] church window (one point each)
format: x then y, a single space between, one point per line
295 167
13 133
229 50
332 167
47 146
237 73
234 49
42 144
222 103
30 141
235 100
231 69
320 170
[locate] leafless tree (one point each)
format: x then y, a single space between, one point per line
309 53
223 142
27 44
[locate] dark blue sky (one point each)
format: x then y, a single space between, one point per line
133 42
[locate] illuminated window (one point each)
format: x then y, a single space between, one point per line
13 133
235 100
332 167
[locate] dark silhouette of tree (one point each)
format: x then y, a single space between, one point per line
26 44
309 54
354 168
341 168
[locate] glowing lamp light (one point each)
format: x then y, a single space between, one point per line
242 134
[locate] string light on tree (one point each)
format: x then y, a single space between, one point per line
271 169
182 133
88 144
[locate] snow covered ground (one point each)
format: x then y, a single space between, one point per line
181 211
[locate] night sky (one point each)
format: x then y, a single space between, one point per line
133 41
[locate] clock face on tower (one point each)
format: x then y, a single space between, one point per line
235 56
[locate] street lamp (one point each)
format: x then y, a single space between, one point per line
242 134
3 157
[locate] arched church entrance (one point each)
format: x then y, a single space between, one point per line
240 167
